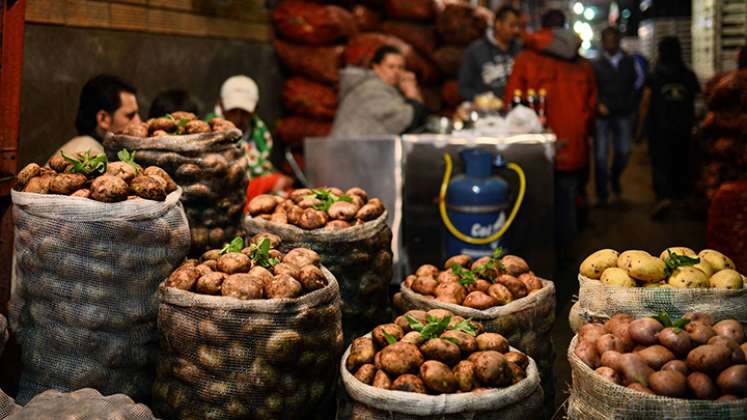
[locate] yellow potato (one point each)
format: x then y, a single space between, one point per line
705 268
688 277
716 259
595 264
614 276
646 268
679 250
726 279
623 261
653 285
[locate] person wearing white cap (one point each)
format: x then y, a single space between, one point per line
237 103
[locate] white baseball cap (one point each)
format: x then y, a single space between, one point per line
239 92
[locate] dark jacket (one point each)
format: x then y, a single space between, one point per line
616 86
671 111
486 67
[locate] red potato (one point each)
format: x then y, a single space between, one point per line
590 332
727 397
701 386
656 356
619 326
737 355
611 359
427 270
587 352
635 386
668 383
517 288
479 300
447 276
460 260
676 340
709 358
643 331
730 328
678 365
609 342
733 380
451 293
634 369
614 323
609 374
699 332
531 281
500 293
700 317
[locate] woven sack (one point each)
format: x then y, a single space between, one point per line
360 257
7 405
364 402
83 404
312 23
593 398
210 168
305 97
225 358
84 310
317 63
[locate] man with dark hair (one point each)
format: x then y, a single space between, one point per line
384 99
107 103
172 100
616 77
487 62
553 18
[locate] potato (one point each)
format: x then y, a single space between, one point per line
210 283
701 386
634 369
438 377
464 373
38 184
421 316
491 368
413 337
183 278
517 373
479 285
28 172
149 188
301 257
196 126
261 275
643 330
635 386
730 328
668 383
724 279
136 129
679 250
234 262
161 123
500 293
109 189
624 260
514 265
362 351
590 332
587 352
210 357
220 124
733 380
66 184
515 286
615 276
727 397
160 173
706 319
489 273
425 285
366 373
706 268
122 170
699 332
283 287
83 193
678 365
608 374
492 341
466 343
427 270
408 383
520 359
242 286
479 300
393 330
531 281
676 340
439 313
656 356
609 342
737 355
448 292
743 346
337 225
369 211
400 358
688 277
442 350
262 204
709 358
342 210
716 259
619 325
595 264
381 380
460 260
646 268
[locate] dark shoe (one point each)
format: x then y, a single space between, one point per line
661 208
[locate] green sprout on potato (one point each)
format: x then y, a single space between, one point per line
87 164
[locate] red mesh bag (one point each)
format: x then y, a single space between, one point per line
361 48
311 23
450 93
411 9
366 19
293 129
421 37
448 60
317 63
302 96
460 23
727 222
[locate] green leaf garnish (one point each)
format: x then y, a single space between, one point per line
415 325
389 338
680 323
210 116
466 277
674 260
260 253
466 327
434 328
87 164
236 245
451 339
326 198
664 319
125 156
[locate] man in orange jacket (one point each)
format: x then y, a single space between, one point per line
550 61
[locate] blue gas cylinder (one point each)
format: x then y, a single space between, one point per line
477 204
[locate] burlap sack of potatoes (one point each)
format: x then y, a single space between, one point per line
526 323
360 257
83 404
210 167
521 401
225 358
84 308
593 398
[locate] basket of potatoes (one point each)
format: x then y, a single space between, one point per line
205 159
248 332
676 281
93 240
655 367
437 365
349 231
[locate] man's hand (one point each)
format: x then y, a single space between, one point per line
408 84
603 110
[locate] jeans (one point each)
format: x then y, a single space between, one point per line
617 130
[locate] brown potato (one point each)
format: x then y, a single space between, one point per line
699 332
362 351
220 124
517 288
438 377
366 373
309 202
425 285
439 313
342 210
283 287
489 273
634 369
709 358
357 191
183 278
148 187
109 189
609 342
500 293
135 129
701 386
656 356
337 225
479 300
491 368
460 260
520 359
442 350
261 275
450 292
210 283
393 330
300 194
678 365
301 257
531 281
427 270
287 268
57 162
311 278
590 332
730 328
479 285
413 337
492 341
668 383
727 397
514 265
183 115
83 193
400 358
159 133
635 386
643 331
312 219
464 372
466 343
706 319
28 172
676 340
242 286
262 204
66 184
234 262
161 123
587 352
158 172
737 355
122 170
275 240
381 380
517 373
733 380
609 375
447 276
408 383
196 126
369 212
619 325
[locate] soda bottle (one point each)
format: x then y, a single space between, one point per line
532 99
542 106
516 100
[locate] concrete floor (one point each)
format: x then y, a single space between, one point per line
621 227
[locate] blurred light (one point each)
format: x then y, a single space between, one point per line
578 8
586 45
589 13
583 30
626 13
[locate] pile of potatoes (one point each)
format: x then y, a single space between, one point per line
496 282
308 210
174 124
244 276
120 181
440 361
639 268
697 358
